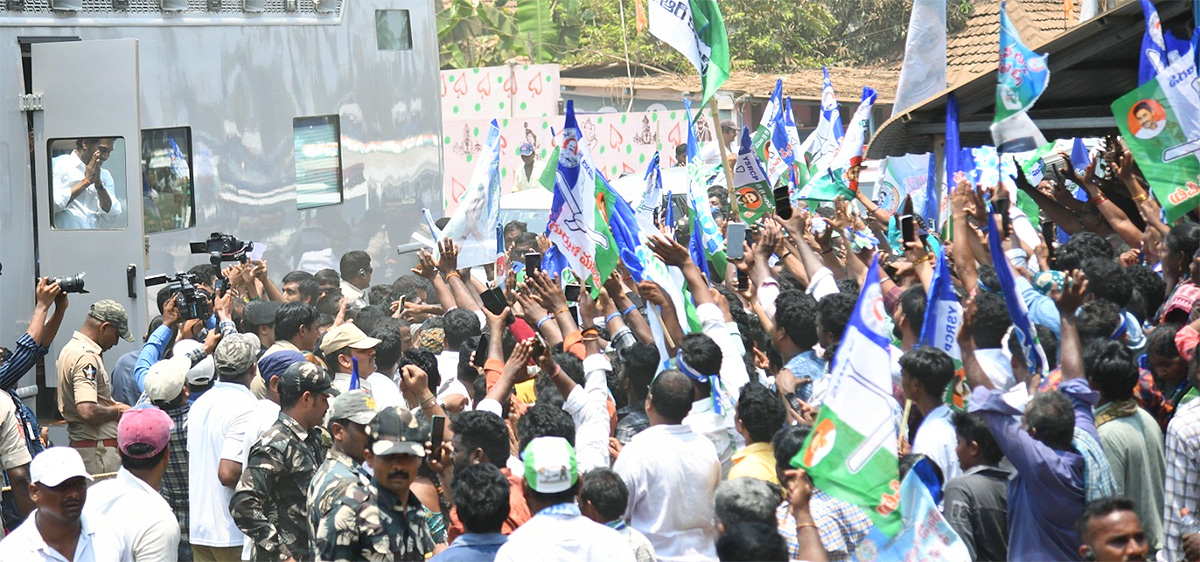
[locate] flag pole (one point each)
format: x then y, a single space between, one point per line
734 216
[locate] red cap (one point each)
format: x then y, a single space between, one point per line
520 330
145 426
1183 299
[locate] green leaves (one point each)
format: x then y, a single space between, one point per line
538 31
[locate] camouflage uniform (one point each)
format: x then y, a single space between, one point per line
333 479
270 504
369 524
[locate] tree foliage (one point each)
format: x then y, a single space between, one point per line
764 35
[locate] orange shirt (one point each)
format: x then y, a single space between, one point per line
518 510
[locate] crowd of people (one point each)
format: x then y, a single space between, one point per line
331 417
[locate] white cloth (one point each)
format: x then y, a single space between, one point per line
341 381
733 368
822 284
385 392
217 425
719 429
672 475
355 297
84 211
997 365
96 544
564 537
588 406
265 413
447 363
937 440
139 515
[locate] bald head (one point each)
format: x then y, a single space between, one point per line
671 396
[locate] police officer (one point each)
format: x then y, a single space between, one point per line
384 520
349 415
269 504
85 391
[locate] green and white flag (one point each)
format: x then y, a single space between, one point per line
696 29
841 177
1160 121
754 195
851 453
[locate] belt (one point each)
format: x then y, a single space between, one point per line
88 444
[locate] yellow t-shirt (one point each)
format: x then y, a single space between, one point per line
756 460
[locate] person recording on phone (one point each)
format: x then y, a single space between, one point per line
82 187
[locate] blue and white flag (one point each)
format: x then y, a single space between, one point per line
1154 48
931 211
179 163
474 224
1031 348
954 163
823 143
943 312
707 244
647 208
623 224
1080 159
782 155
925 534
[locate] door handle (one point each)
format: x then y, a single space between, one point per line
130 280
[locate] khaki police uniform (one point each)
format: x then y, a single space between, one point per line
82 378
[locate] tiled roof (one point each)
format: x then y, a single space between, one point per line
800 84
975 47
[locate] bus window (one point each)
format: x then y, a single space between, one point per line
318 161
168 198
392 30
87 183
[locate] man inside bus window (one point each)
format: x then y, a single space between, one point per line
82 187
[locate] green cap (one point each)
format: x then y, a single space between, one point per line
112 312
550 465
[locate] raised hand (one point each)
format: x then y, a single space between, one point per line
1070 297
517 366
425 266
668 250
448 260
546 290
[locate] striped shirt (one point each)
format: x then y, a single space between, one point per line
1182 478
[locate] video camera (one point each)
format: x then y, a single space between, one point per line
191 301
222 248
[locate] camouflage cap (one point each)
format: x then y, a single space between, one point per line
235 354
307 377
112 312
355 405
395 431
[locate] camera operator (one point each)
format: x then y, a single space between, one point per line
85 391
19 431
175 328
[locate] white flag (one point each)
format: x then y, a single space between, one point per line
923 73
476 221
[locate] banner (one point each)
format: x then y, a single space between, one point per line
900 177
851 452
476 222
696 29
750 183
584 241
1160 121
923 72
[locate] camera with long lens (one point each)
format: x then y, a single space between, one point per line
191 301
222 247
70 284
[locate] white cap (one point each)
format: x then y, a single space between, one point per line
164 381
201 373
57 465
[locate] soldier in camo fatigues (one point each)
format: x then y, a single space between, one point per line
270 504
349 415
382 521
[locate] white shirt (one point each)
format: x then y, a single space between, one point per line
588 406
703 420
139 515
95 544
84 210
264 414
217 425
937 440
341 381
385 392
447 362
997 365
564 537
355 297
672 475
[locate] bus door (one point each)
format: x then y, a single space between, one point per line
88 179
